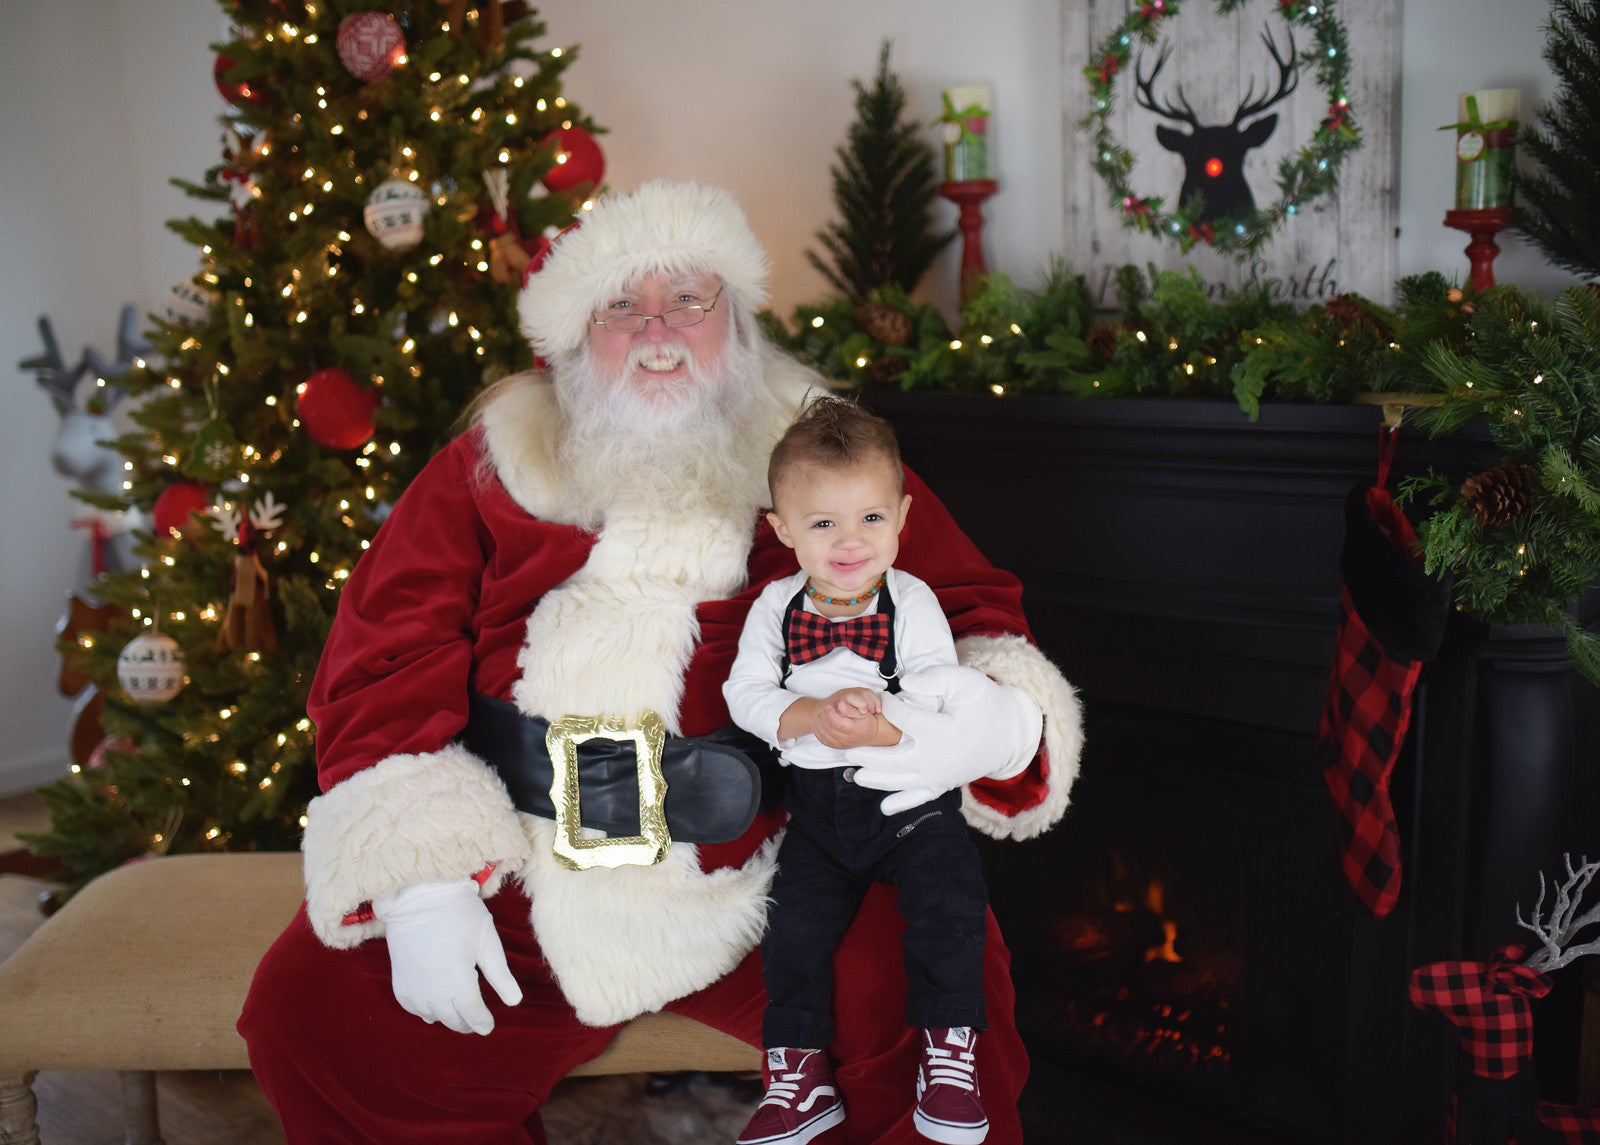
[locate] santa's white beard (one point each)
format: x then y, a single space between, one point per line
690 445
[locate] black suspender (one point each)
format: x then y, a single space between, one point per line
888 667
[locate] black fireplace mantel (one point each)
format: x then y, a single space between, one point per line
1180 563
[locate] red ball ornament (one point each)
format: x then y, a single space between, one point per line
579 159
370 44
336 409
176 508
233 91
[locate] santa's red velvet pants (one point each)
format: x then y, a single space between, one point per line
340 1061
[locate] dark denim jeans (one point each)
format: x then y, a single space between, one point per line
838 844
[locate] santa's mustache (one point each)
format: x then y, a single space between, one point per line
661 356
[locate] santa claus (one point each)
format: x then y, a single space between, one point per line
583 556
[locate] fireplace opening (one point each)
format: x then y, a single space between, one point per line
1184 938
1137 986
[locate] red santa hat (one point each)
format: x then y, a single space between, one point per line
660 227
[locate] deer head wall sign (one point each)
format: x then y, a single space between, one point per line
1214 185
1215 205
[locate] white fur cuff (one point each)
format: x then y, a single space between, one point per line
407 819
1013 660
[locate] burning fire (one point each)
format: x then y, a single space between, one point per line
1155 898
1132 992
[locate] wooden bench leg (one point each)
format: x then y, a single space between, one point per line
141 1117
17 1110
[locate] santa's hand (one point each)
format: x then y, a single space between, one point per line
973 729
440 935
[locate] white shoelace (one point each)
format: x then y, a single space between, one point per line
784 1086
782 1091
952 1067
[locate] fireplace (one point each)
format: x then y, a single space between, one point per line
1189 964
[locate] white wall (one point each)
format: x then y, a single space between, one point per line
101 101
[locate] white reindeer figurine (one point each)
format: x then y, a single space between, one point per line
82 449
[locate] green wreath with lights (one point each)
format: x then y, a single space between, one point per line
1311 171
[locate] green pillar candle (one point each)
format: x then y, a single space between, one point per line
1486 148
966 132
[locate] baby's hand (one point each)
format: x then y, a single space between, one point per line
852 718
856 702
839 727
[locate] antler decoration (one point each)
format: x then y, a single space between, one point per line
51 371
266 514
59 382
131 349
1564 923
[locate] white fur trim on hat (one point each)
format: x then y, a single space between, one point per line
658 228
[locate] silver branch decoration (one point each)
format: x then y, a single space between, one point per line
1558 933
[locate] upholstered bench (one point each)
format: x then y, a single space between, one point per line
146 970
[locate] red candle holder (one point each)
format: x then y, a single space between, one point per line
969 196
1482 224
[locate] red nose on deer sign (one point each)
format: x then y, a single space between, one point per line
1216 203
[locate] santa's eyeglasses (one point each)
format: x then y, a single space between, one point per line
678 317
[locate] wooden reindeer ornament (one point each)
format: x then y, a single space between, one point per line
247 623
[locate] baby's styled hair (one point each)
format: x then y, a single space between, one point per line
834 433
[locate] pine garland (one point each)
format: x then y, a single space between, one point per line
1559 196
884 189
1532 374
1531 370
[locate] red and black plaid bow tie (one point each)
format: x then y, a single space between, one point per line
812 637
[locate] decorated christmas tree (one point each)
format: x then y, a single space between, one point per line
883 186
1560 195
386 175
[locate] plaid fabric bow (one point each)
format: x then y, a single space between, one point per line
811 636
1490 1003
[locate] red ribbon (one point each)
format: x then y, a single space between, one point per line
99 540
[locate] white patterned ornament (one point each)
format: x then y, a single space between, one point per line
188 305
150 668
394 213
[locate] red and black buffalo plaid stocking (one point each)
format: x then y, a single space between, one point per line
1391 619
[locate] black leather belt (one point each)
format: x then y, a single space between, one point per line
714 782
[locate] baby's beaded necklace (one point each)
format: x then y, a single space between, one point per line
868 595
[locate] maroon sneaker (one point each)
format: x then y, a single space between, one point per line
948 1108
801 1100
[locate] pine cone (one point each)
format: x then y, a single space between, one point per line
884 323
1102 341
1348 311
1500 495
883 370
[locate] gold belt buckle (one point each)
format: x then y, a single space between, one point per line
573 851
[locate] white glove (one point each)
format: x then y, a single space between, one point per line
439 935
974 729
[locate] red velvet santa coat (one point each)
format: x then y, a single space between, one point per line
481 578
